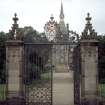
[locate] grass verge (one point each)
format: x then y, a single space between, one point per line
2 92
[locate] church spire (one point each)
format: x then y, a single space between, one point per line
61 12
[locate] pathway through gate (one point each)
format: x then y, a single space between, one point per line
63 88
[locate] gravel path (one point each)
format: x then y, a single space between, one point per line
63 88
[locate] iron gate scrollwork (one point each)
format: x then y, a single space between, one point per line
38 74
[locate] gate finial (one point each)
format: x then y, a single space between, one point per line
52 17
89 33
15 26
15 19
88 18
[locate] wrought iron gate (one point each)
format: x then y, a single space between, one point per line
38 74
38 71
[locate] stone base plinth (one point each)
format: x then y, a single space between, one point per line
89 101
16 101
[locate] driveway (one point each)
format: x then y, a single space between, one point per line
63 88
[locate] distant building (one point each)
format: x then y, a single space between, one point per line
59 33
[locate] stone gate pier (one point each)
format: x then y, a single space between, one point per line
89 65
89 71
14 68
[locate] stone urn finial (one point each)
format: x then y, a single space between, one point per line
15 26
88 18
15 18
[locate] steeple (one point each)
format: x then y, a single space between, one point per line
61 12
62 28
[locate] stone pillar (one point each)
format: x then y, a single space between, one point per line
89 71
14 67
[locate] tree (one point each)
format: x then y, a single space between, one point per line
101 62
3 38
28 35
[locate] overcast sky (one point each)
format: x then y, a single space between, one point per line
36 13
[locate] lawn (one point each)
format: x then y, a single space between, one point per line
2 92
46 76
102 90
45 79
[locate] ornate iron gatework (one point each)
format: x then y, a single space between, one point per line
38 74
41 60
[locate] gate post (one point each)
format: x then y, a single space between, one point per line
89 65
14 68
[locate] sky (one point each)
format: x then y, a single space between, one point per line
36 13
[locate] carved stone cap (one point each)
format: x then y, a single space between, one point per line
14 43
89 33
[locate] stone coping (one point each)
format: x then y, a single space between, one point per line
89 42
14 43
